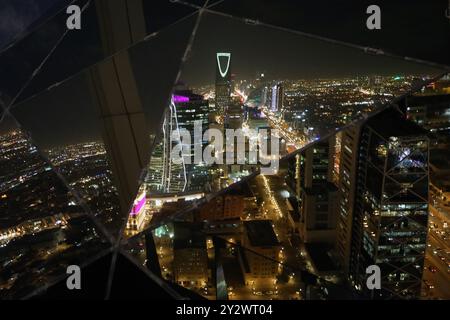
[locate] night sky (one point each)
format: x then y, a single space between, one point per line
416 28
281 55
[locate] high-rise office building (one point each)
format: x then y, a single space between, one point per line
223 81
192 108
137 214
390 212
174 175
318 193
277 98
346 195
234 114
154 179
186 108
430 107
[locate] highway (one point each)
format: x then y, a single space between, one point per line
437 284
292 138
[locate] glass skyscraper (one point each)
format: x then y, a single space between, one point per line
391 206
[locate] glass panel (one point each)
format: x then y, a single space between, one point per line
22 18
302 87
43 226
53 53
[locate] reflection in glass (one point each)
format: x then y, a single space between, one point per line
43 227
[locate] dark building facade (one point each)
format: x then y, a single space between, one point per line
390 214
318 193
223 81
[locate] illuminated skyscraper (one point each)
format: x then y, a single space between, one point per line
193 108
154 178
390 214
346 199
277 98
185 109
318 194
137 214
430 108
223 81
234 114
174 177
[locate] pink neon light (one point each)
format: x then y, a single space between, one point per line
180 99
138 206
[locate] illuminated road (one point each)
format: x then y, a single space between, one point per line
438 251
274 208
291 137
440 279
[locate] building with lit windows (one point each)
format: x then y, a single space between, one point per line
137 214
223 81
227 206
190 257
260 262
192 108
277 98
346 195
154 179
390 215
186 108
318 193
234 114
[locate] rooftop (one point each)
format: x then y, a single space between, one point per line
188 235
260 233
